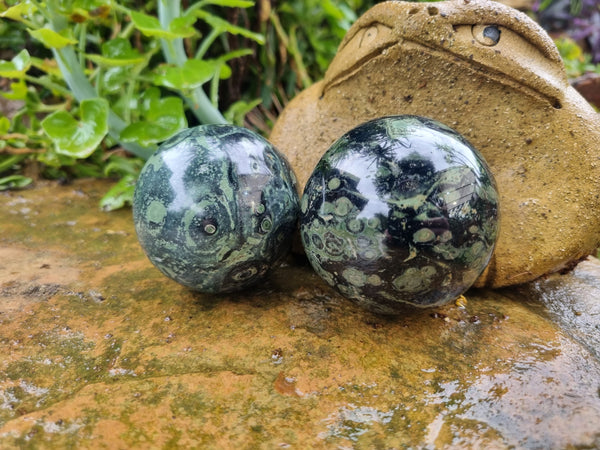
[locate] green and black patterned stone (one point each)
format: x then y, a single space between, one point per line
215 207
400 210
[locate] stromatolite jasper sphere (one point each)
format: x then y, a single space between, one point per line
215 207
400 210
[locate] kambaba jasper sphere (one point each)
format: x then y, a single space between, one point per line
215 207
400 210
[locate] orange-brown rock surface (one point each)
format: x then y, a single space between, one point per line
100 350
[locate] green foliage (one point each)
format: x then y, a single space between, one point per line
17 67
180 27
160 118
192 74
14 182
78 138
575 6
576 61
114 74
100 75
51 39
301 39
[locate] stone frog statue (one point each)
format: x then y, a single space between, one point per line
495 76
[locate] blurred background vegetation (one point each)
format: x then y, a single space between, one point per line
89 88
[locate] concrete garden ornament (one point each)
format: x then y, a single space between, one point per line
492 74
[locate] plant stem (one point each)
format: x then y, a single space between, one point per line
291 44
127 31
295 51
214 86
82 42
172 49
45 82
70 68
174 53
206 42
43 108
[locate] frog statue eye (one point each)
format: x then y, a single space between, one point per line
488 35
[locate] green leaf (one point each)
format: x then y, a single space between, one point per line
339 15
17 67
78 139
222 25
569 49
227 3
194 73
19 12
162 118
9 161
51 39
225 72
95 8
18 91
576 7
14 182
117 52
115 78
120 195
120 165
150 26
183 26
4 125
79 11
237 112
47 65
54 160
236 54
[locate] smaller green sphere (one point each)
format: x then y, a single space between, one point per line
215 207
400 211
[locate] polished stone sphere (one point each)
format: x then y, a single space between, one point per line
401 210
215 208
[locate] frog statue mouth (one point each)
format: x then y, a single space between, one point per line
498 41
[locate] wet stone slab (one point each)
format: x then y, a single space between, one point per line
100 350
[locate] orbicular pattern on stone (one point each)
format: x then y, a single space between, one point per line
400 210
215 207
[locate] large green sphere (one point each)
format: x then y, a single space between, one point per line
400 210
215 207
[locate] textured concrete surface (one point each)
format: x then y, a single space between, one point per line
99 350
